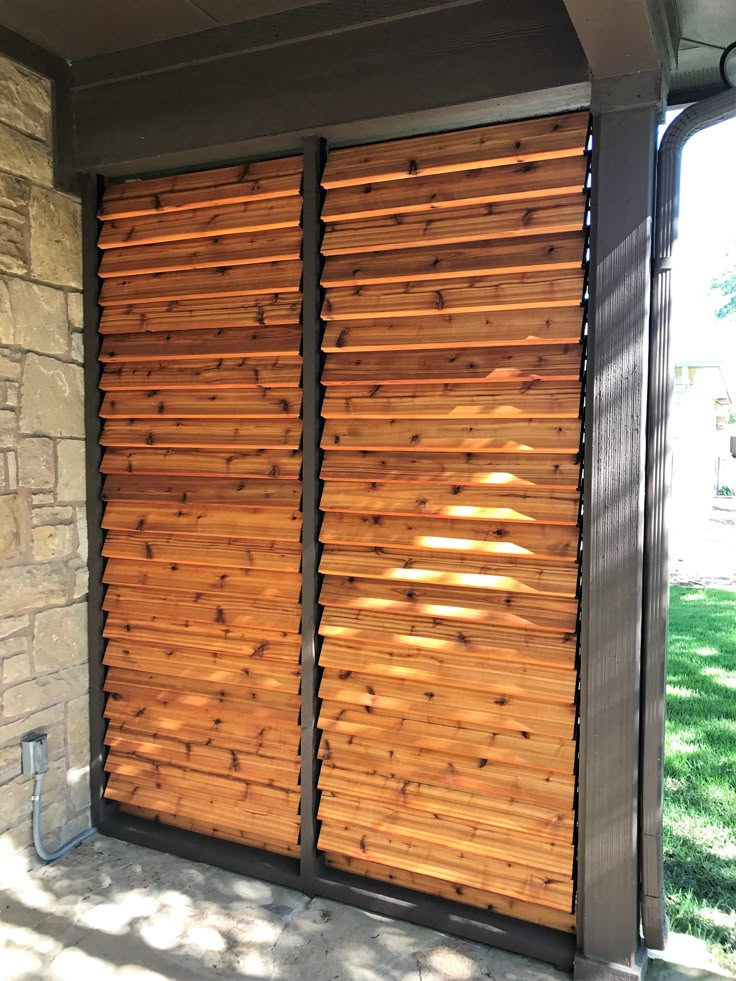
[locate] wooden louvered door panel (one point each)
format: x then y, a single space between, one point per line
453 276
201 379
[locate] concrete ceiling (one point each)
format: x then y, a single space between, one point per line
76 29
618 36
707 27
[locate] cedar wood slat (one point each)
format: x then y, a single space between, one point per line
202 574
452 369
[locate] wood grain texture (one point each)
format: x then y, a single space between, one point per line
204 434
451 568
203 253
202 373
525 181
203 463
245 280
453 331
492 469
260 310
451 505
469 294
456 891
489 146
264 524
232 342
226 185
467 259
440 633
505 220
201 337
523 749
560 362
235 492
202 223
256 403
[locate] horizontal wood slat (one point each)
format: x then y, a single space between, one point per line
201 373
268 342
468 259
192 578
255 403
449 226
201 339
204 434
488 146
458 602
262 524
453 343
522 291
221 640
492 469
524 749
263 309
203 463
540 399
441 633
453 331
226 185
206 665
203 223
525 181
513 538
451 568
251 611
247 280
495 503
506 905
560 362
262 492
202 253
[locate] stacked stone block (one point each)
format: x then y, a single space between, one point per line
43 540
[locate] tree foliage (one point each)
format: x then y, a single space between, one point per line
725 284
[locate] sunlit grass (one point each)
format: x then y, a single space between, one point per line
700 768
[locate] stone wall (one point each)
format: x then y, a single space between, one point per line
43 577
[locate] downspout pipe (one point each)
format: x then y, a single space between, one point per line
695 118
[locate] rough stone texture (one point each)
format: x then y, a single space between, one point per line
43 535
52 542
36 465
10 365
25 100
71 485
9 527
60 637
55 222
75 310
115 911
52 402
14 197
40 317
21 155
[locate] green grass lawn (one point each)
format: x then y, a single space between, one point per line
700 768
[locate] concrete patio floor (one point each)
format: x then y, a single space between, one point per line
110 910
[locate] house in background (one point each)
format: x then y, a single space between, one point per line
701 411
349 239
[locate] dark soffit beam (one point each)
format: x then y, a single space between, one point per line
451 56
621 37
18 48
32 56
277 30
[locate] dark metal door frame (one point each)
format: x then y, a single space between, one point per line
596 922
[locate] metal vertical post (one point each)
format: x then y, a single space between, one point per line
314 155
613 536
91 194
